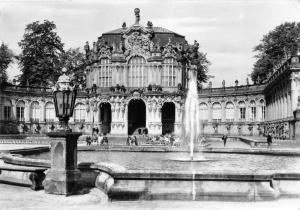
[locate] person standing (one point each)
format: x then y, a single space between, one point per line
224 138
269 141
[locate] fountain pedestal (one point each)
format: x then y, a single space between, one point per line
63 177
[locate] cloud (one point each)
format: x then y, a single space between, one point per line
184 20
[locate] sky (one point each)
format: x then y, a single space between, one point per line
227 30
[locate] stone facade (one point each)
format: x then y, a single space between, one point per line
282 92
136 82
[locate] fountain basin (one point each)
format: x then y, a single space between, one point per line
138 175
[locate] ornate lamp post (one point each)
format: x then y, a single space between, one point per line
64 96
63 178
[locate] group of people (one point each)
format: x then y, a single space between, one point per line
97 138
131 140
167 139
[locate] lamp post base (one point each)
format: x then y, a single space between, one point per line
63 178
63 182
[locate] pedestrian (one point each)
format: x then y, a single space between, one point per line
88 140
172 139
135 141
128 141
269 141
224 138
99 140
104 139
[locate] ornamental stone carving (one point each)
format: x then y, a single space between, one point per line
169 50
104 51
137 44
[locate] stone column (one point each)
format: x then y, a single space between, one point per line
63 177
178 119
42 111
209 112
288 105
13 109
27 111
258 113
297 123
236 112
223 111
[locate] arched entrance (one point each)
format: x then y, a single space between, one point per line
168 117
105 117
136 115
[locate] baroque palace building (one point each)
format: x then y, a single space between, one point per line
136 82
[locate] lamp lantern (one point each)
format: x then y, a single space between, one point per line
64 95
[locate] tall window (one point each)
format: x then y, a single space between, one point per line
49 112
7 110
253 111
20 110
229 110
263 110
242 107
137 74
263 113
203 112
216 112
79 113
35 111
168 73
105 73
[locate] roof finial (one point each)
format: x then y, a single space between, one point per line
137 15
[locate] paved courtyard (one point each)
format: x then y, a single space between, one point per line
15 197
18 197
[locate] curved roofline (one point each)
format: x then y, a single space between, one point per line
156 30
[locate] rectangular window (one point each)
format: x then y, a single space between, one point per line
243 113
105 78
7 113
253 113
20 114
263 114
168 73
50 114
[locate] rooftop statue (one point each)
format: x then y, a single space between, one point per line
137 16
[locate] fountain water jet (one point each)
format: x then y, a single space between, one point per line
192 124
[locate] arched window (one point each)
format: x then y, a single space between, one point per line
242 107
7 110
35 111
229 111
49 112
253 111
20 110
263 110
105 73
137 74
216 112
79 113
203 111
168 72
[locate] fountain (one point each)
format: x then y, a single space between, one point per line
191 111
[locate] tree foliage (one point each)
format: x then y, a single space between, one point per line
75 62
274 46
6 57
190 55
41 50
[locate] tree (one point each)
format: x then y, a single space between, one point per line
6 57
276 45
190 55
41 50
75 63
